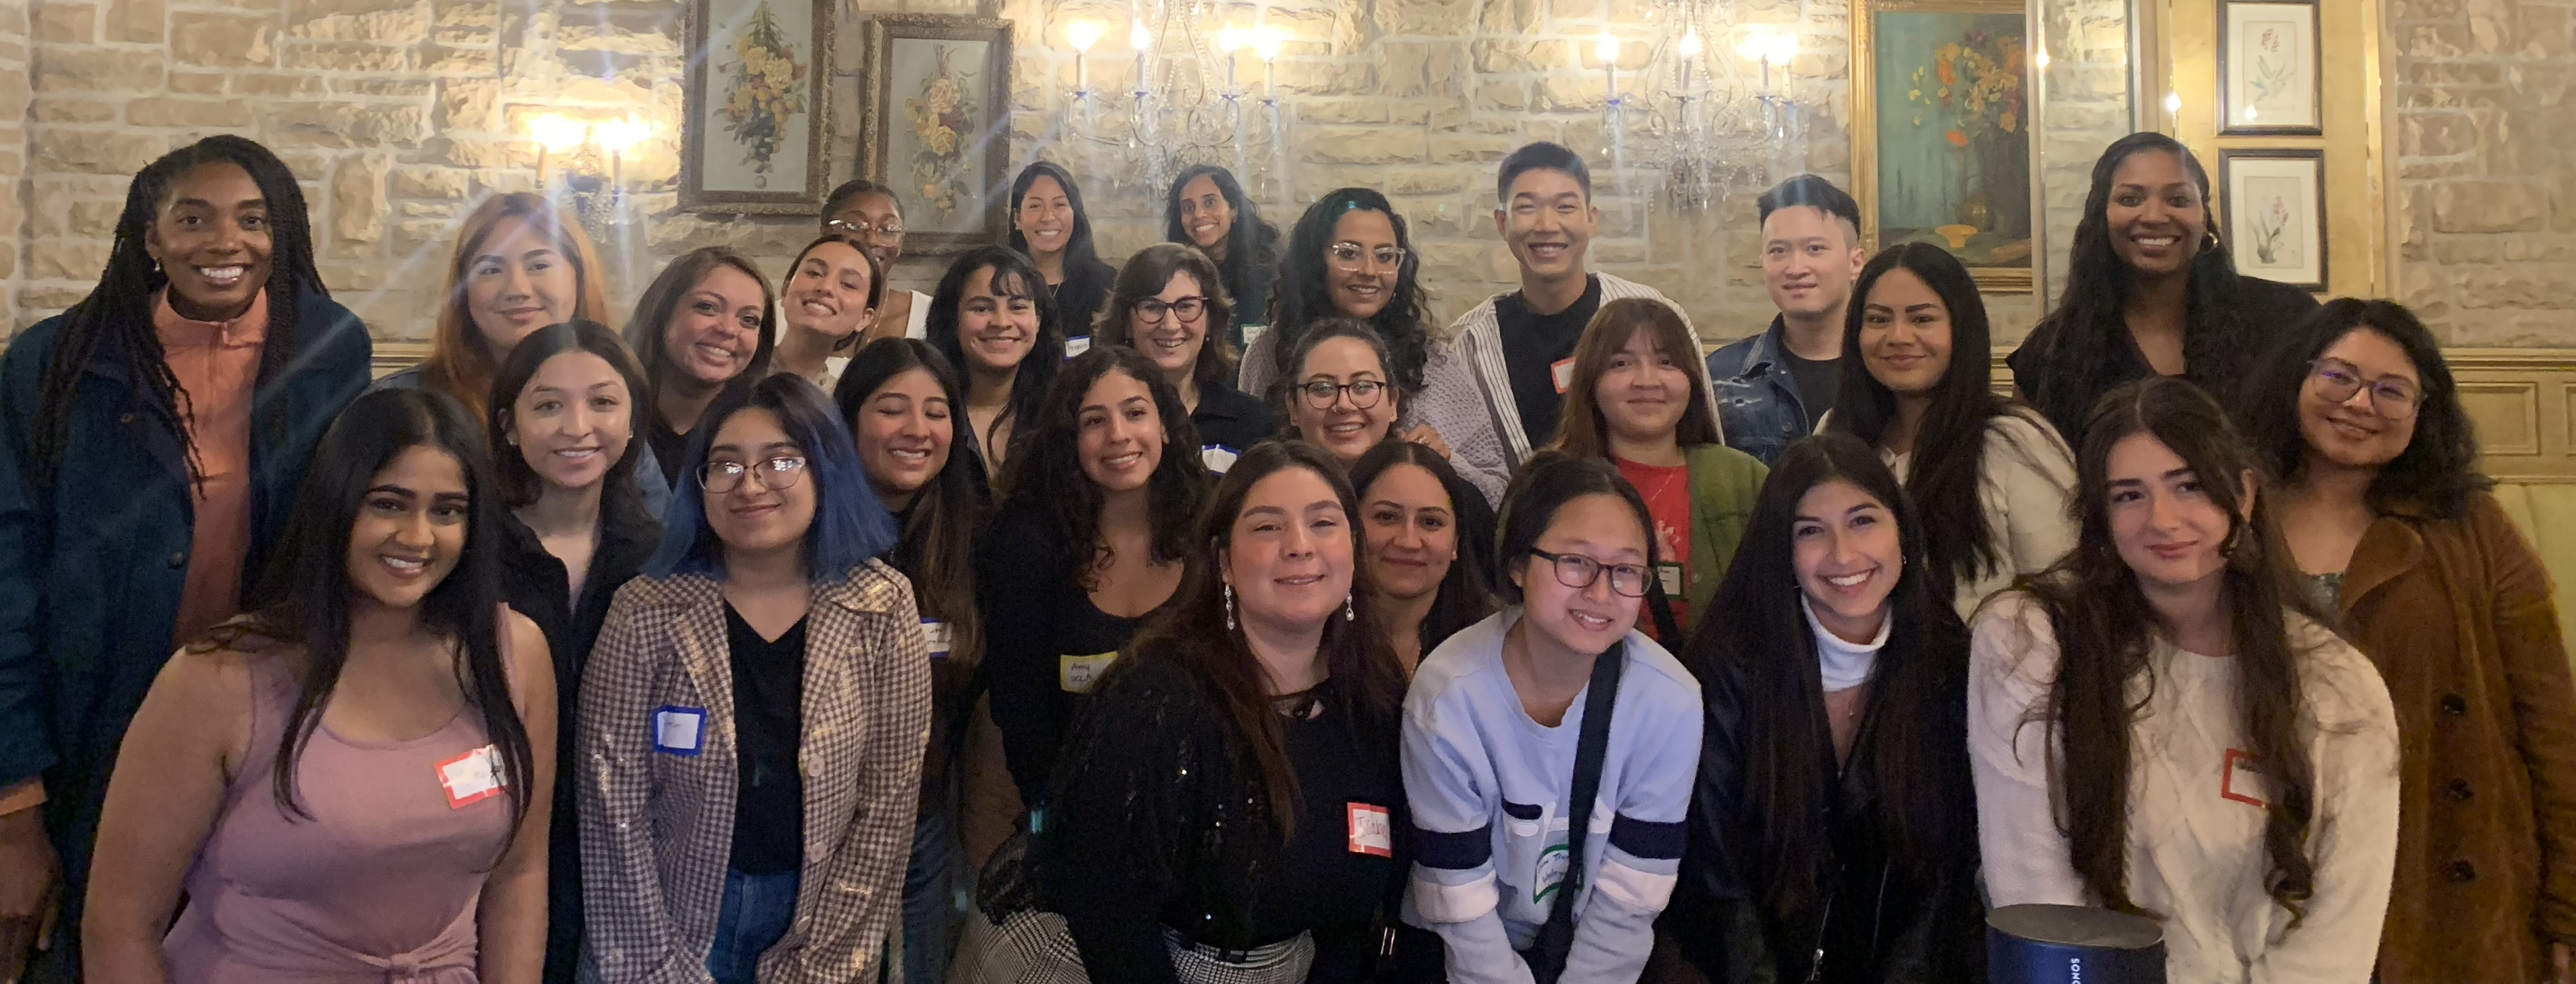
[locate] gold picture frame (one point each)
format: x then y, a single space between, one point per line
755 135
1963 66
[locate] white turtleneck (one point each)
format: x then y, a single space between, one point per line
1844 665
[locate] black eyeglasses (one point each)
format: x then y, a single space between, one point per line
775 474
2392 397
1347 255
1578 571
1150 310
889 232
1321 393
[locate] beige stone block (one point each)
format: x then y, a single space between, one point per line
1471 148
1362 145
428 182
1502 97
223 40
95 217
441 60
96 151
2488 206
97 70
67 259
2509 286
66 23
358 203
472 13
385 88
345 56
71 109
166 111
407 24
463 152
467 104
412 235
197 83
429 210
136 21
1426 180
465 37
48 299
349 125
2436 134
1584 93
1339 112
263 84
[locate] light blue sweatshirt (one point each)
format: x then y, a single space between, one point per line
1489 790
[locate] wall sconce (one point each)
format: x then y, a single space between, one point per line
1265 42
1082 34
593 191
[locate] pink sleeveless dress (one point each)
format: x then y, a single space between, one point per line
379 886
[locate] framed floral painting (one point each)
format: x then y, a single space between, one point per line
2272 206
753 133
935 125
1941 141
2267 69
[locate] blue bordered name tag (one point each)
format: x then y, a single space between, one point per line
1218 457
934 636
1077 345
679 730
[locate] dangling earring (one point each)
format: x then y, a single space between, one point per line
1347 613
1229 608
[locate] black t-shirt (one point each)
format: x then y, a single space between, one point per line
1532 344
1230 419
769 724
1323 882
1045 643
670 450
1818 379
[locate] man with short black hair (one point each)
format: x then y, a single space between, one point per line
1775 386
1495 387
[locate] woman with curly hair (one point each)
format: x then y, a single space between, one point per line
1349 256
2390 520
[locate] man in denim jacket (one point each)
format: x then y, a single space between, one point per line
1772 388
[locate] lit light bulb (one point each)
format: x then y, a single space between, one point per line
2173 102
620 136
1266 41
1690 46
1607 49
2041 58
1784 48
1082 34
558 133
1139 38
1229 39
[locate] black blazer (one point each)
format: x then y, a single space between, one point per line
2219 348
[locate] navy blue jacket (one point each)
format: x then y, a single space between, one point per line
1759 407
91 568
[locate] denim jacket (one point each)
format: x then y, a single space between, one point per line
1758 406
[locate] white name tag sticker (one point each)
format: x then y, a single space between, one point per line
934 635
1252 332
1550 872
1372 832
2242 780
679 730
1669 575
1218 457
1078 674
1077 345
1562 371
472 777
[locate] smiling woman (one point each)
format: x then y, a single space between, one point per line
993 318
520 264
708 321
1169 305
834 291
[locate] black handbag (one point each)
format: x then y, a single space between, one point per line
1546 956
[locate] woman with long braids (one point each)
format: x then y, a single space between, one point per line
155 434
1348 256
2151 290
1049 226
1208 209
2162 723
349 783
1833 831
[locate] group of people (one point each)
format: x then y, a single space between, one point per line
1213 617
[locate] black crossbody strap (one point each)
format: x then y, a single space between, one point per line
1601 696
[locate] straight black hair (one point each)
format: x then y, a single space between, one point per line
2438 471
1811 191
1545 485
1015 276
518 484
1467 591
936 548
1540 156
1078 249
1251 244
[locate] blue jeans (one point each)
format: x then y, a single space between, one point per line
757 909
930 898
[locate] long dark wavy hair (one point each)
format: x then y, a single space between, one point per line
1302 295
2088 326
1913 741
1079 252
304 595
1367 682
1045 476
1013 275
1144 276
1251 245
2438 471
1467 591
114 322
937 549
1950 448
645 331
2104 631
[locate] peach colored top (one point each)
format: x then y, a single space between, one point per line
217 363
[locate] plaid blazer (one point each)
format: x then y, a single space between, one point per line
657 827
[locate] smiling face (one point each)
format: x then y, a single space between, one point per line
2157 217
2168 527
1119 433
1045 217
904 432
410 530
1411 531
828 292
1361 289
995 328
1905 334
211 237
1342 427
1548 220
1643 391
573 420
1174 342
1588 619
1205 214
883 219
1290 556
752 519
1809 260
2356 432
518 281
1845 547
715 331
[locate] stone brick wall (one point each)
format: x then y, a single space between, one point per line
2486 157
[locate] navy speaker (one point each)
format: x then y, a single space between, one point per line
2071 944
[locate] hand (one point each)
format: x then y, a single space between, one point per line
29 876
2561 969
1422 434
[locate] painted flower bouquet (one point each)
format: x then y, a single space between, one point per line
940 119
762 90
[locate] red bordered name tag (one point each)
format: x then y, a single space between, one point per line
2242 780
1372 832
472 777
1561 372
